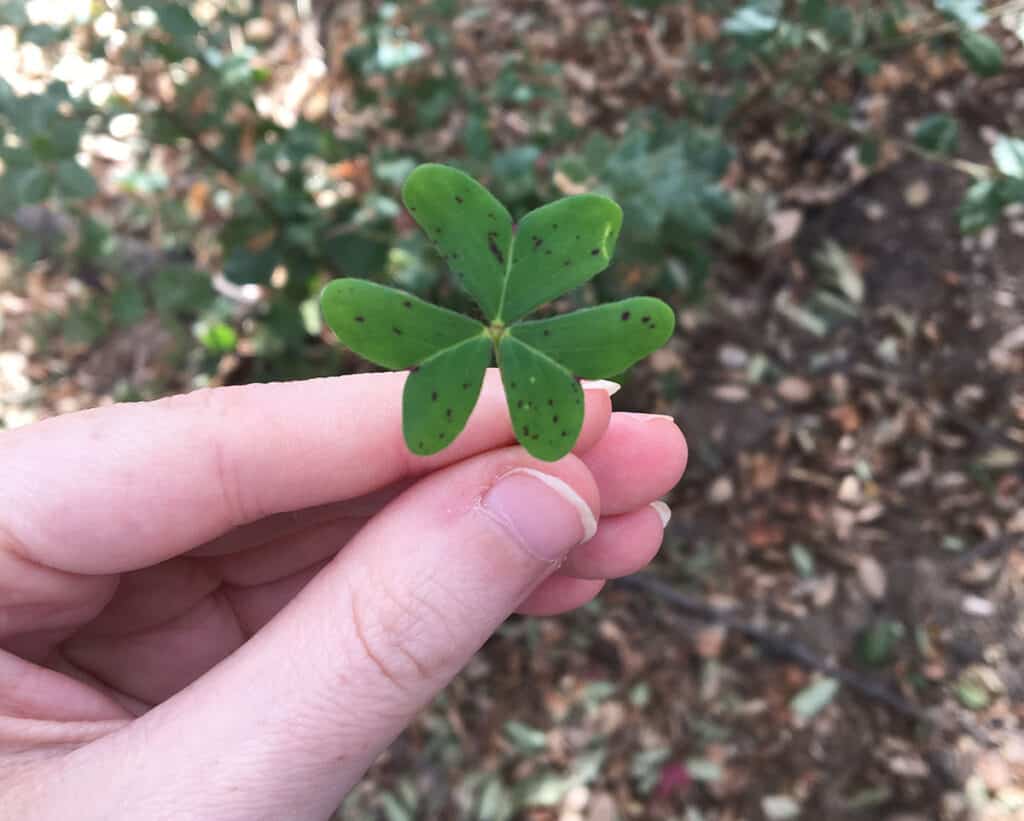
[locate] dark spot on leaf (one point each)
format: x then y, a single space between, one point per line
554 419
413 209
420 443
565 433
577 236
398 331
458 199
519 404
567 263
407 303
625 316
645 319
526 430
595 252
413 369
455 254
554 226
448 413
551 403
440 435
465 386
433 396
495 250
537 242
547 253
438 230
360 319
513 384
491 214
535 436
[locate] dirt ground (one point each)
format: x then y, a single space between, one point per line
855 505
847 538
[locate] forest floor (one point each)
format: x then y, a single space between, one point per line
842 634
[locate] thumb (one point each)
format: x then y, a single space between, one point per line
285 726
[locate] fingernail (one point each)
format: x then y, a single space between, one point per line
646 417
545 514
664 512
601 385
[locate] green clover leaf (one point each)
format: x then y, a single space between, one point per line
508 270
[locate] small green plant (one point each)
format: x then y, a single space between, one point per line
509 270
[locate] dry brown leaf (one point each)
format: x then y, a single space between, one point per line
261 241
872 577
195 200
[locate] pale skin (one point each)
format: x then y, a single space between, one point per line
225 605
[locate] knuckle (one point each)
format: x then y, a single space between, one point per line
403 635
214 409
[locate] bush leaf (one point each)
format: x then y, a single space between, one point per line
596 343
440 394
981 53
938 133
391 327
468 226
558 247
544 400
73 181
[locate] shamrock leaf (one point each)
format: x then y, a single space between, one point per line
390 327
544 399
509 270
440 394
596 343
470 228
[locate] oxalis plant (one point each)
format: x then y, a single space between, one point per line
509 269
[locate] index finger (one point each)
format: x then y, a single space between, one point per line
122 487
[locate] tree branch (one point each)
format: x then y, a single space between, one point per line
774 644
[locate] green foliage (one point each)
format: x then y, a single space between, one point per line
1008 154
981 52
508 270
755 19
231 195
969 13
938 133
987 199
666 176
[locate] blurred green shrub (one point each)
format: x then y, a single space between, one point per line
228 221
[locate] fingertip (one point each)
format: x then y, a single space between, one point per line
640 457
623 545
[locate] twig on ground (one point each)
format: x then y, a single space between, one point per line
776 645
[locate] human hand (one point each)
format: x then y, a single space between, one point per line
225 605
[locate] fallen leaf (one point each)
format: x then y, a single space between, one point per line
709 640
872 577
795 390
917 194
780 807
785 224
813 699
